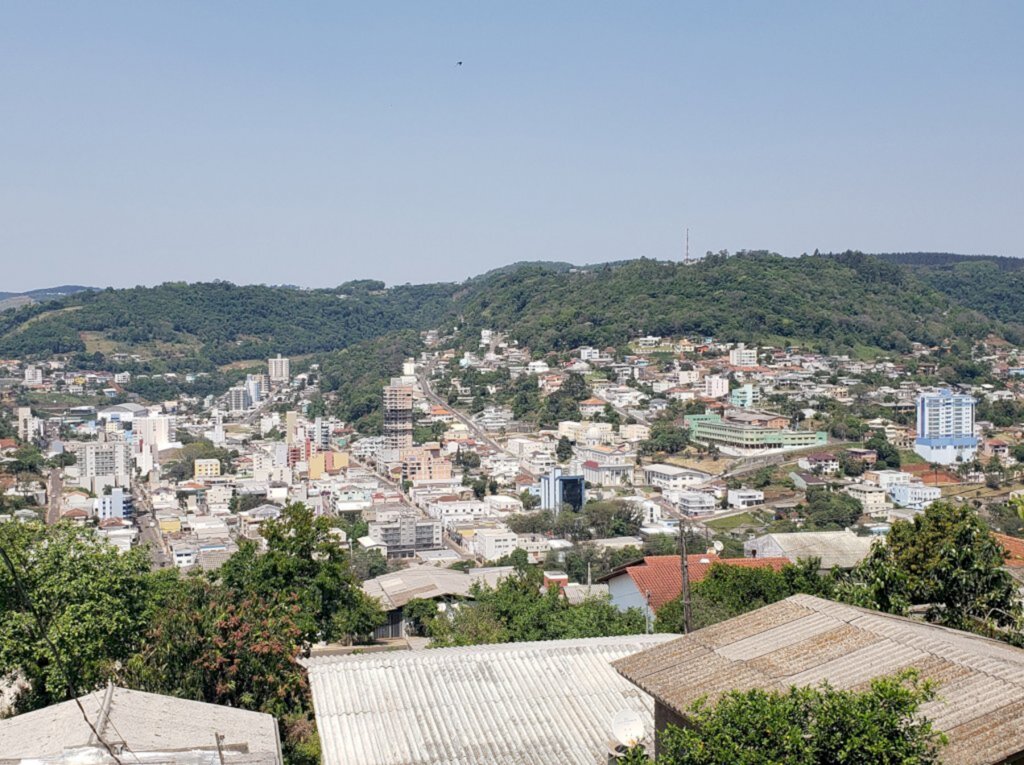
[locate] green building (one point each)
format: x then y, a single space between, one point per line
712 429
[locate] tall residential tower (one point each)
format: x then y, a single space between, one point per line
945 427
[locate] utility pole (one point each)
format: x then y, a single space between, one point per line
685 566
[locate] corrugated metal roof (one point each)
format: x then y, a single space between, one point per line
396 589
146 722
805 640
835 548
511 704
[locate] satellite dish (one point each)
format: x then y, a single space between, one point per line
718 546
628 728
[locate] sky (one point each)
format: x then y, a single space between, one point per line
313 143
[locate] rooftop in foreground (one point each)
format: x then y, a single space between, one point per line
805 640
512 704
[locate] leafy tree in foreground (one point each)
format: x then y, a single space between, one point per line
807 726
305 559
946 559
517 611
91 601
729 591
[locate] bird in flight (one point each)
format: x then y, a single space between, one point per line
458 63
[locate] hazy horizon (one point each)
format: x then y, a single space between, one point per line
316 144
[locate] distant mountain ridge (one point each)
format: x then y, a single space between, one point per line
843 302
49 293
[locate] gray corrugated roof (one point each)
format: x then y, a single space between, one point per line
835 548
144 721
512 704
805 640
396 589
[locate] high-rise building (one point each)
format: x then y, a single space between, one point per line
238 399
280 370
398 402
33 377
557 490
945 427
101 463
27 424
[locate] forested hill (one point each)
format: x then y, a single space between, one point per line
990 284
219 321
839 301
835 302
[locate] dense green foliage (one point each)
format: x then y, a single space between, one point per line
597 520
729 591
945 559
225 322
809 726
231 638
355 375
91 604
835 302
516 611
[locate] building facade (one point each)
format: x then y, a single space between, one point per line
945 427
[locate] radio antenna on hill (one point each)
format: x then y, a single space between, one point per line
686 257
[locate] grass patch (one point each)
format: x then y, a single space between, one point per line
734 522
910 457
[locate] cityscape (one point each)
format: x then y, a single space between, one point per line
365 397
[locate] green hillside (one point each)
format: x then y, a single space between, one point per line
832 302
219 321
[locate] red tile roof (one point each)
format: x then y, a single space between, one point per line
1014 549
660 578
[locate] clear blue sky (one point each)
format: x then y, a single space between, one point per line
313 143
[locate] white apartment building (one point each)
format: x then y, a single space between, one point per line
694 502
716 386
945 427
915 496
663 476
872 498
279 370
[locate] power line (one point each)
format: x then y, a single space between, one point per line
72 693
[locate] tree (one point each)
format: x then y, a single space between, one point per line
809 725
305 560
831 510
945 558
91 601
888 455
517 611
206 642
563 452
729 591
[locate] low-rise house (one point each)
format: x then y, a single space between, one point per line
657 579
424 582
822 463
803 641
842 549
694 502
740 498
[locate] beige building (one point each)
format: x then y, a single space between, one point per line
206 468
